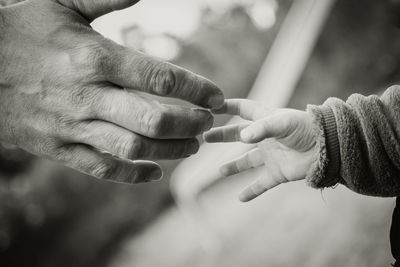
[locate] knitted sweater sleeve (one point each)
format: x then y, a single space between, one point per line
359 143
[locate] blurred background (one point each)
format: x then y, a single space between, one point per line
53 216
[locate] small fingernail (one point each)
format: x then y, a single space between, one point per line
206 137
215 101
246 135
224 170
192 147
243 197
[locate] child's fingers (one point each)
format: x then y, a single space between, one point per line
269 127
229 133
247 109
251 159
258 187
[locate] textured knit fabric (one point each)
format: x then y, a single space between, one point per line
359 147
359 144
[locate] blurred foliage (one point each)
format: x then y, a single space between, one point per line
53 216
357 53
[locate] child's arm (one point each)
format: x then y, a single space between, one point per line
355 143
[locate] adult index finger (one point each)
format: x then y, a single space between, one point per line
132 69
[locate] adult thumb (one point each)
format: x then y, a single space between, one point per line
92 9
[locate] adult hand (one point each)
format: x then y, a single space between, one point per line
69 94
285 138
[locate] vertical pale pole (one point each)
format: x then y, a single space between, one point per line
274 86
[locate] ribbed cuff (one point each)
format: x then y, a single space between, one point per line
332 142
326 167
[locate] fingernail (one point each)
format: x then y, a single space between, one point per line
210 123
215 101
192 147
155 175
246 135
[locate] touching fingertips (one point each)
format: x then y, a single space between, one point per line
207 136
211 137
220 110
215 101
204 119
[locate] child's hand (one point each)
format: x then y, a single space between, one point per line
285 140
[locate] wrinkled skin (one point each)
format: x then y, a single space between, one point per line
70 95
285 139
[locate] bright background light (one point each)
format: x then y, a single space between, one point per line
158 20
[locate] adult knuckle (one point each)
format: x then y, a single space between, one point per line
80 57
78 96
102 59
83 96
64 123
65 128
48 146
105 170
156 123
131 147
163 79
96 57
